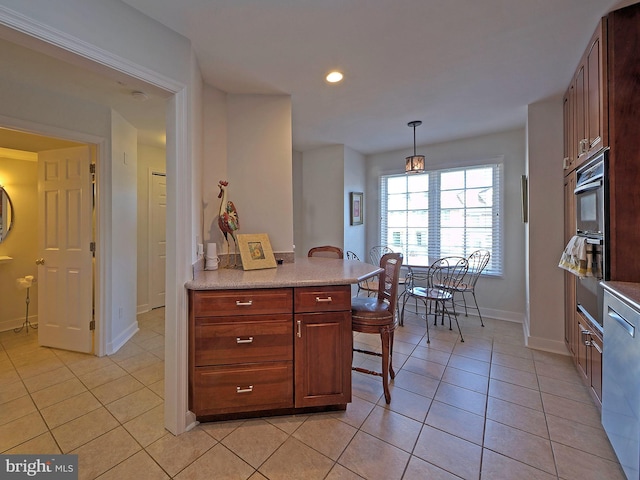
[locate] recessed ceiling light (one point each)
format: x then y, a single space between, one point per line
140 96
334 77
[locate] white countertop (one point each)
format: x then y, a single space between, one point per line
303 272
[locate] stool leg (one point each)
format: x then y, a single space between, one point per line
384 335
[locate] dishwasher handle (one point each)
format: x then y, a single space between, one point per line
629 328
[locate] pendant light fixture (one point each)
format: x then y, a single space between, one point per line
414 163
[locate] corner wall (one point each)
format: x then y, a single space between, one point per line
544 325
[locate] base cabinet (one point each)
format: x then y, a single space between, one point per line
588 355
269 350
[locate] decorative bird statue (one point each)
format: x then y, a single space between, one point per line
228 220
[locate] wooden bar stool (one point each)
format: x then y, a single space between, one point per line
377 315
327 251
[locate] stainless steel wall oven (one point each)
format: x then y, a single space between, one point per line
591 222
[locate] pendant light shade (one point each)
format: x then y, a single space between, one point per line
414 163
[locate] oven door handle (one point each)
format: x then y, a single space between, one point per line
588 186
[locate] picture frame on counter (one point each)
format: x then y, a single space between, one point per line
255 251
357 208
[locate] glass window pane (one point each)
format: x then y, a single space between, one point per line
479 197
418 200
480 177
418 183
451 180
397 202
452 199
396 185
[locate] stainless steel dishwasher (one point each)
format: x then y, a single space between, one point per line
621 380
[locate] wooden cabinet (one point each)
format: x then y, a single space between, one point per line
586 103
261 351
240 351
323 346
602 109
588 355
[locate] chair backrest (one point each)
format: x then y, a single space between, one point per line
478 260
388 283
416 277
376 253
448 272
326 251
349 255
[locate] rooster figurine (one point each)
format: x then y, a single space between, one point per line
228 220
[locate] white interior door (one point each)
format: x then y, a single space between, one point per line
157 239
65 270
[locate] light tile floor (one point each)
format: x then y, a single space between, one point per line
487 408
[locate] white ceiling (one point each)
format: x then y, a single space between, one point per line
463 67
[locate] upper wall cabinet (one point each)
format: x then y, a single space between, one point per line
586 103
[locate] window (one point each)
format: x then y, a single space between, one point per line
442 213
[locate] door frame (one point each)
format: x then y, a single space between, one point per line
179 152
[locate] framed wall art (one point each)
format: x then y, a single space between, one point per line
357 208
255 251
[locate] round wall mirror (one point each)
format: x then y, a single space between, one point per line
6 214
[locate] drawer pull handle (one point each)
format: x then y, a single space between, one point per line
248 389
244 304
244 340
299 329
323 300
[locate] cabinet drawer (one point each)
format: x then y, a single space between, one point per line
323 299
242 302
243 388
248 339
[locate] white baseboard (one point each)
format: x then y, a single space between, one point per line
144 308
546 345
123 338
7 325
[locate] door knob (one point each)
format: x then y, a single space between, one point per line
39 261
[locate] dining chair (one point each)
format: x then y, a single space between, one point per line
436 286
326 251
370 286
478 260
376 315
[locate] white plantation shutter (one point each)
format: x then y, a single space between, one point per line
443 212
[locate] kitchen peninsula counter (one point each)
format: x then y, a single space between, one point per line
303 272
273 341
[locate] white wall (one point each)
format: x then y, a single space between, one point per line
215 161
124 224
499 297
323 204
259 166
20 180
298 214
150 159
544 324
355 180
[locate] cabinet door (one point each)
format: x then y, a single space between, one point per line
596 366
596 94
568 114
582 348
580 90
323 350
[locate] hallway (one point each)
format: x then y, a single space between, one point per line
487 408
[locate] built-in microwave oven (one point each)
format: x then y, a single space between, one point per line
590 193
